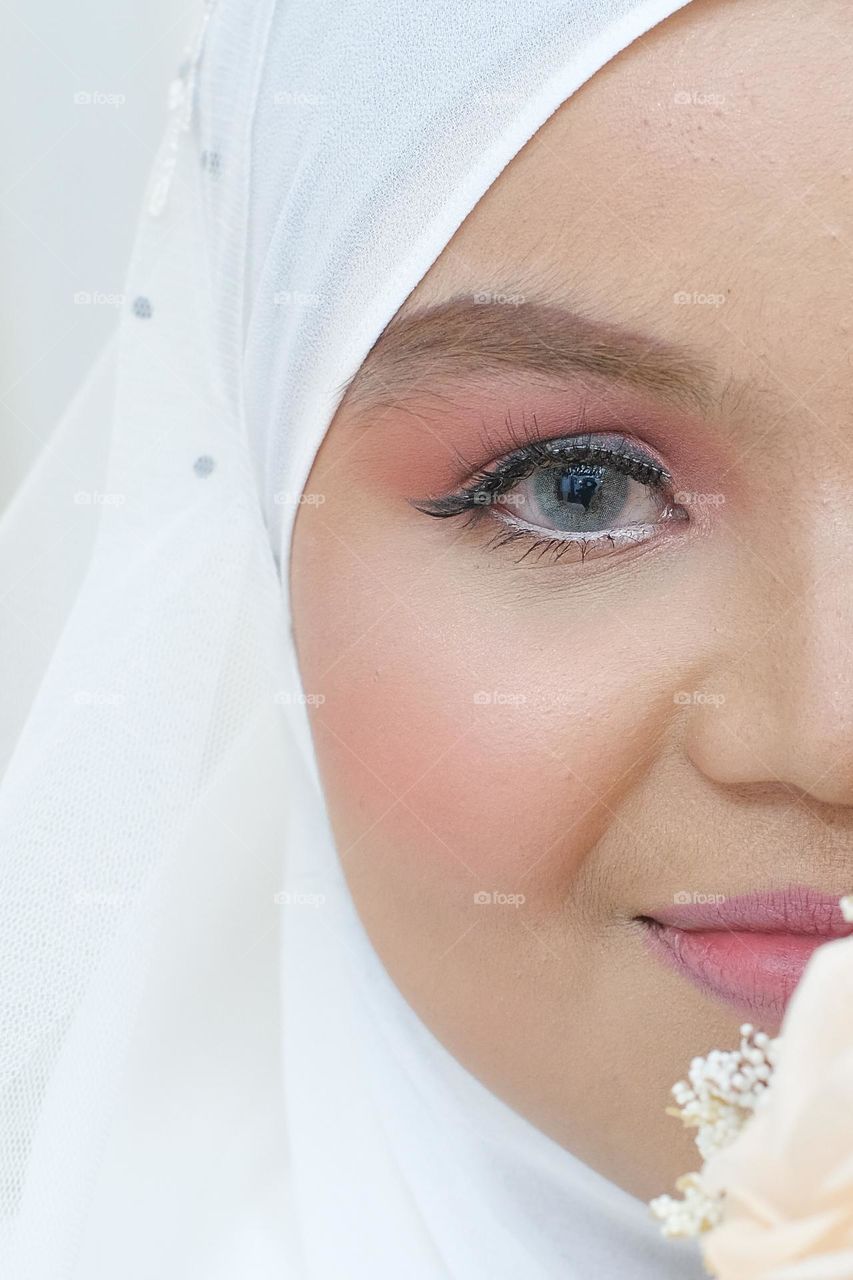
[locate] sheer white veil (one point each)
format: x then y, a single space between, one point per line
204 1069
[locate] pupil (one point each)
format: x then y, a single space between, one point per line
579 486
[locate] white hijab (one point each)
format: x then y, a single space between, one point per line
205 1071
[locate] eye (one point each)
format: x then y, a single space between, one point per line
591 492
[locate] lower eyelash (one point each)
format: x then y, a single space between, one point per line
556 547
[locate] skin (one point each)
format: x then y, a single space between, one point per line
588 787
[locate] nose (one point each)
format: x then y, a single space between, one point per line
781 711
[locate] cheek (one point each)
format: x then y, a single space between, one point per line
469 741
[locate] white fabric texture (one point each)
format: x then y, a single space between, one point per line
205 1071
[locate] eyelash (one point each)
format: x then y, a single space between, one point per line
532 452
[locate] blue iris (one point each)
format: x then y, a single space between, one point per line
579 497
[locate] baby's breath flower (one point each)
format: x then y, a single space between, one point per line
721 1092
724 1088
694 1213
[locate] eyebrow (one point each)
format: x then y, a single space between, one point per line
422 348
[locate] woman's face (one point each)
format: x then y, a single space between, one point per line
602 685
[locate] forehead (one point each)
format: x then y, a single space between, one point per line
698 185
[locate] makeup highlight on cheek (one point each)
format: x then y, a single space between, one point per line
482 741
497 786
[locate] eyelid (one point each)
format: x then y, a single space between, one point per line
506 471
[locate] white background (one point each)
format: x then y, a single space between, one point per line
72 176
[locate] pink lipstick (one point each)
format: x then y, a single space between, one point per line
749 951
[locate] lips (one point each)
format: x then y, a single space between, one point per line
748 951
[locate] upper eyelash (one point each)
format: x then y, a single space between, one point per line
524 460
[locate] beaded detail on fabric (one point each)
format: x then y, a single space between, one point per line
182 96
